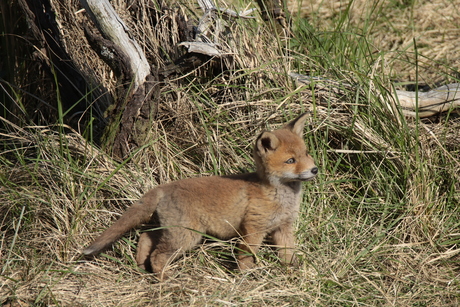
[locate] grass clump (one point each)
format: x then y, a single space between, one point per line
378 227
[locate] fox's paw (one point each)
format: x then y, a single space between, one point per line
246 263
295 261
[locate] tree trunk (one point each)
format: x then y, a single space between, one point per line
78 88
96 56
129 131
38 68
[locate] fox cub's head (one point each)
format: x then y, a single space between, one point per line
281 155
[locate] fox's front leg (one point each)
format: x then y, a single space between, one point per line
283 239
251 240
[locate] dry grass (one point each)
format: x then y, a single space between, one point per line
379 227
420 37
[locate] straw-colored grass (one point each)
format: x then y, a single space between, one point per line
379 226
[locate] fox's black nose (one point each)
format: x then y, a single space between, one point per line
314 170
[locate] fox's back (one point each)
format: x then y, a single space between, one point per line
206 203
220 204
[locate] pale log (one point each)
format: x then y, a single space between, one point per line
429 103
411 104
114 29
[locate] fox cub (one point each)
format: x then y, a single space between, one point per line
250 206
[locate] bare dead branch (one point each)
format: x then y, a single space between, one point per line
114 29
411 104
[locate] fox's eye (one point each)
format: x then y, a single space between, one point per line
290 161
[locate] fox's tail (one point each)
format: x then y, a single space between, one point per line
140 212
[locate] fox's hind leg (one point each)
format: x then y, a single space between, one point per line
174 242
147 242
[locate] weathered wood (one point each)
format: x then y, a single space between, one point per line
425 104
209 49
411 104
114 29
275 10
213 39
134 109
213 32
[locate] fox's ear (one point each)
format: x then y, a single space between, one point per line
267 141
297 124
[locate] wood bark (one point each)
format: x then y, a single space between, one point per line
275 10
54 62
124 55
133 88
114 29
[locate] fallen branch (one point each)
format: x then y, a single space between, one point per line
427 104
411 104
213 32
213 39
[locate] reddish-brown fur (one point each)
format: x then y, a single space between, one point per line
250 206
